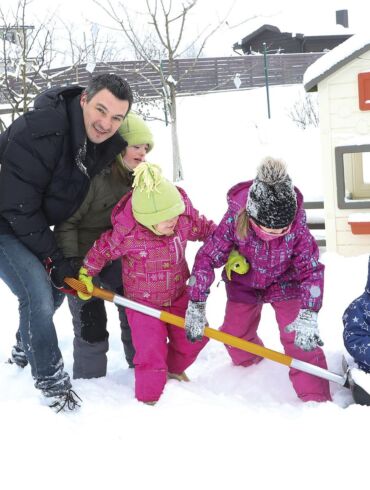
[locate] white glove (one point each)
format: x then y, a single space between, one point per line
305 326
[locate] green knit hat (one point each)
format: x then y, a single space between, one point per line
154 198
135 131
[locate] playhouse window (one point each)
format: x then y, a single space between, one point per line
364 91
366 167
353 176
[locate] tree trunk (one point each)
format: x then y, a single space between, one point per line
178 173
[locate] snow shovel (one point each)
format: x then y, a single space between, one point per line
360 396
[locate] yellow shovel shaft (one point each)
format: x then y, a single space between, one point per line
97 292
231 340
178 321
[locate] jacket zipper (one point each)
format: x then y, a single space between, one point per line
178 249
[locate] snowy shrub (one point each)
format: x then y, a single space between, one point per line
305 111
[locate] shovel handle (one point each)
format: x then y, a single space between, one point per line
231 340
211 333
97 292
178 321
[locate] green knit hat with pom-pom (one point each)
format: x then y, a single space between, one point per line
154 198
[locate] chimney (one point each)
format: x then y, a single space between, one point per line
341 17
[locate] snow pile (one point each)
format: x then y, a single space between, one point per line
229 426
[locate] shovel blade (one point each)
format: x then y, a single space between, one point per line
359 394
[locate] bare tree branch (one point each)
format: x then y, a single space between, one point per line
166 22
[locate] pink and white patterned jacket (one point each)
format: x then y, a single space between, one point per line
154 268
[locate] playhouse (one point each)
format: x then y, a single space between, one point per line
342 79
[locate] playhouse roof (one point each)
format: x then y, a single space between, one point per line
330 62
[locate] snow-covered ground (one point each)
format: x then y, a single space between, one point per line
230 427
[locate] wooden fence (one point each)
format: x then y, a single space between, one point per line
196 76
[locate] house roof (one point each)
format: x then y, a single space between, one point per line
336 32
339 56
265 27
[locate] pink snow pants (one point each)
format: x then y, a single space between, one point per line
242 320
155 356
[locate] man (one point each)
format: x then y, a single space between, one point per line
48 157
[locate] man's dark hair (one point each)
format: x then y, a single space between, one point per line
114 83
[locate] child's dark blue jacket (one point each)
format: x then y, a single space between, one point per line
356 334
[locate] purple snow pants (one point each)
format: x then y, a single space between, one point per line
154 355
242 320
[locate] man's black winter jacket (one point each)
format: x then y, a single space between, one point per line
46 167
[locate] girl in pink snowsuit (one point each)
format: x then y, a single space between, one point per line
266 223
151 227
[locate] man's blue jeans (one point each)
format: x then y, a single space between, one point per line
27 278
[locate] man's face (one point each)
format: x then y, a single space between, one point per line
102 115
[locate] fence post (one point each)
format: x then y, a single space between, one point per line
266 79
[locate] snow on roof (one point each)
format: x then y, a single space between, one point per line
335 30
336 58
321 23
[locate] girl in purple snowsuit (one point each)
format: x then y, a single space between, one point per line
266 223
151 227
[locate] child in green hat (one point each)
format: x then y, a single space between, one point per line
151 227
76 235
